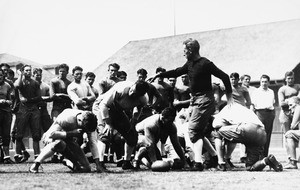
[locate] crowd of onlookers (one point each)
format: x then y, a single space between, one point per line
149 118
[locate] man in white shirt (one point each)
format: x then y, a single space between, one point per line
263 100
80 92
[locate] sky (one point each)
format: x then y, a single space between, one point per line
87 32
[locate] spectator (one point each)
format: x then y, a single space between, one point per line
28 114
263 100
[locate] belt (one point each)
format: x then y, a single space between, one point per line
266 110
201 93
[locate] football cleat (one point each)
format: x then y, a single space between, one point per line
26 155
197 166
34 168
136 164
8 161
229 163
18 158
127 165
291 165
273 163
222 167
68 163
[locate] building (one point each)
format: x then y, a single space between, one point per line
16 63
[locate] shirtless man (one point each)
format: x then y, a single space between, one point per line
290 89
62 137
5 117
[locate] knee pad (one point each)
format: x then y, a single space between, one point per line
59 146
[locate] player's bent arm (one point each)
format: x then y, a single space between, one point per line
74 97
58 135
149 135
92 137
280 96
104 113
248 99
65 134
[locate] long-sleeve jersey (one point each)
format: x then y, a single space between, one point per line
199 72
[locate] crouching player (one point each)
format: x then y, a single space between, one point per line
292 136
157 128
237 124
62 137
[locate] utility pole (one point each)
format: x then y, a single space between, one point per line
174 17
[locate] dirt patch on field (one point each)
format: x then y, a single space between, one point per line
57 176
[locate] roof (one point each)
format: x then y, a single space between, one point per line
14 61
271 48
52 66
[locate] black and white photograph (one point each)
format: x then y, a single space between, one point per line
149 94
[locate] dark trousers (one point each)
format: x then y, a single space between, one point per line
266 117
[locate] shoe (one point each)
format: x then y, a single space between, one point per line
136 164
119 163
197 166
101 168
127 165
222 167
68 163
103 165
188 160
212 163
18 158
105 159
8 161
34 168
243 159
111 159
26 155
273 163
229 163
55 159
291 165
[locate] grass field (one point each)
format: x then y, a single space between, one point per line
57 176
